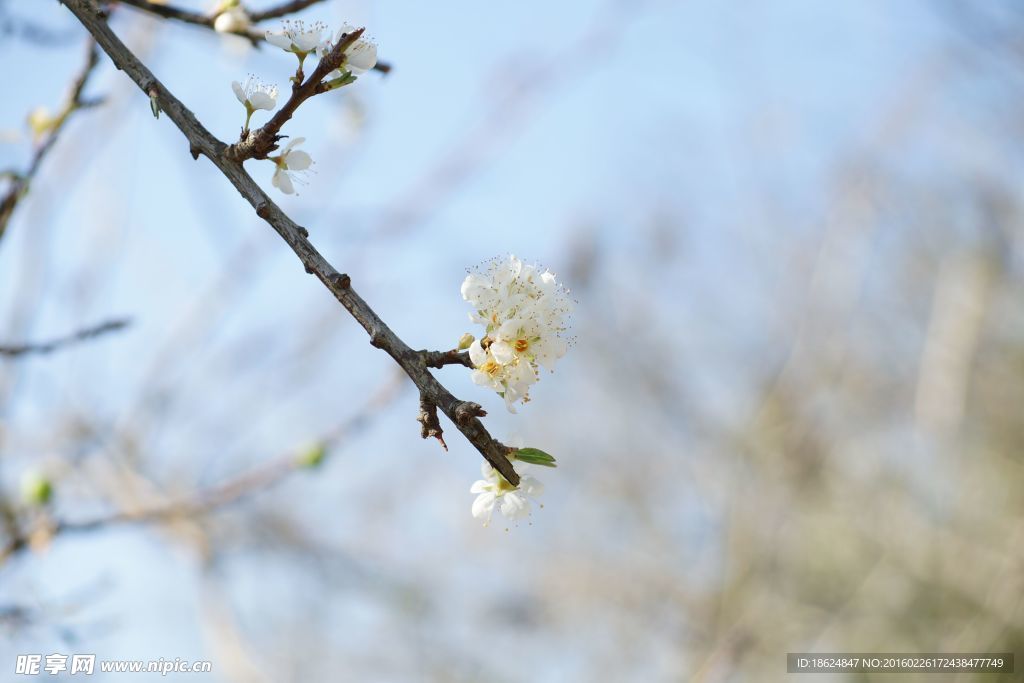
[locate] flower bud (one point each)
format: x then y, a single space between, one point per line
36 489
465 341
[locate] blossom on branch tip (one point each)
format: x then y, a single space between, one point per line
254 94
296 37
360 56
494 489
288 162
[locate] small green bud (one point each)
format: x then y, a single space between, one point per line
534 456
312 457
36 489
465 341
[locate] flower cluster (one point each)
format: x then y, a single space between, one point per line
523 310
494 488
302 40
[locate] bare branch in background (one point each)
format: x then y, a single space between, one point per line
43 348
248 483
20 181
464 415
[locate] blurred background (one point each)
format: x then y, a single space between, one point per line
791 419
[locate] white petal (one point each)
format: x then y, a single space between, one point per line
531 486
502 352
362 55
308 41
283 182
280 40
262 100
345 29
295 142
239 92
510 329
477 353
479 486
481 378
483 506
514 506
298 160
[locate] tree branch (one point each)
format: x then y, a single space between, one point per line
439 359
166 11
20 181
463 414
41 348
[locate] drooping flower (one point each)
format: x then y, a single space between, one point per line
231 18
494 489
523 311
255 94
288 162
296 37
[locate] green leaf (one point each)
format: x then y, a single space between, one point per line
535 456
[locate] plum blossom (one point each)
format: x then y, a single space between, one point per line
523 311
288 162
494 489
296 37
360 56
255 94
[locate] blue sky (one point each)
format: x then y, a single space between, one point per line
711 112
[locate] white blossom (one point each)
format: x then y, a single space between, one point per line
255 94
288 162
233 19
360 56
296 37
523 311
494 489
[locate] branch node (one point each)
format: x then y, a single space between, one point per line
194 151
263 210
467 410
303 232
377 338
431 427
342 280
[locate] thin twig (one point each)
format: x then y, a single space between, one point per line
465 415
42 348
166 11
20 181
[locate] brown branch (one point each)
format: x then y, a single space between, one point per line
282 10
431 425
439 359
42 348
166 11
20 181
463 414
259 143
